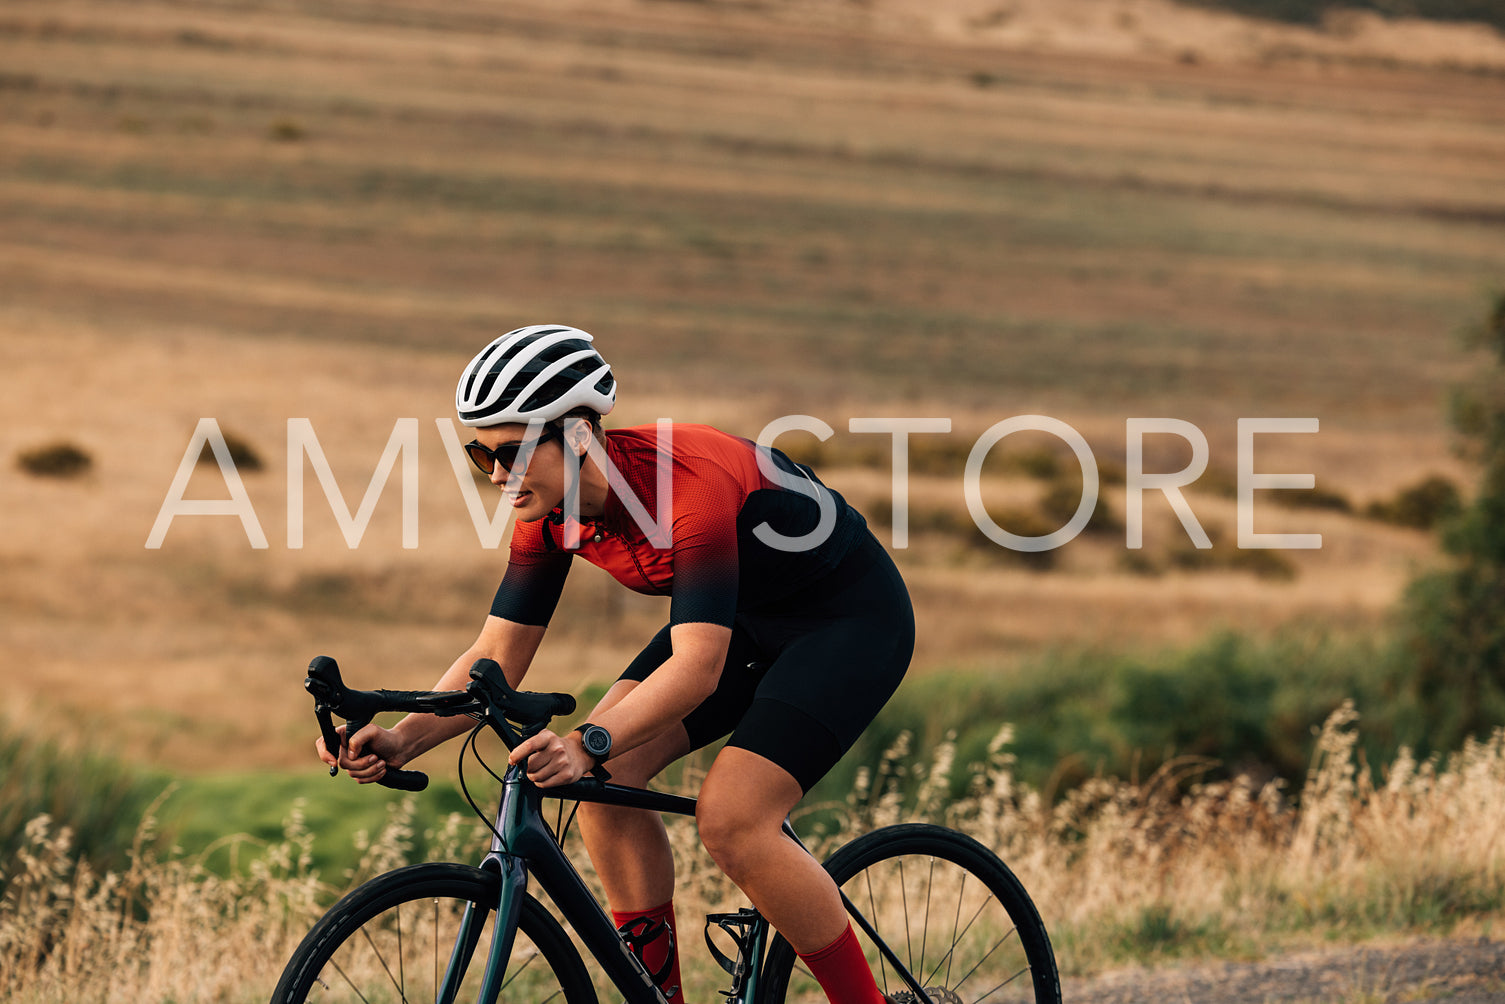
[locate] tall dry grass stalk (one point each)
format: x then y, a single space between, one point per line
162 929
1118 869
1124 869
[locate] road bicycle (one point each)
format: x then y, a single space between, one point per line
943 920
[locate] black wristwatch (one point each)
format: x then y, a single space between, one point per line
596 740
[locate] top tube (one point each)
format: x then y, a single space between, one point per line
593 789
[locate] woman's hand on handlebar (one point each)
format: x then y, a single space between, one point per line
552 760
368 755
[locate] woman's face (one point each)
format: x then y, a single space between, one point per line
541 487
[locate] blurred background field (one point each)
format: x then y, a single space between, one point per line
259 210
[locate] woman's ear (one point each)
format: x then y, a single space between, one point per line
580 435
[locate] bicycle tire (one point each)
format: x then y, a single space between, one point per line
361 951
948 908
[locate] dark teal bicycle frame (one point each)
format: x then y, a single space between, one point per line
522 844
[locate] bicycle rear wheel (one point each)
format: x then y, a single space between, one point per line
394 940
948 908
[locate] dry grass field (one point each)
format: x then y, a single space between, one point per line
1120 871
258 210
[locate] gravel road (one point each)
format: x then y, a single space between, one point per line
1457 971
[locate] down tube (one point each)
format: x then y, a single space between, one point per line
563 884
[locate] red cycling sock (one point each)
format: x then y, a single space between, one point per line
655 950
843 973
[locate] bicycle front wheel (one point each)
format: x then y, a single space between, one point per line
950 911
423 933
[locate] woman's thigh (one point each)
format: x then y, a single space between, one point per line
838 662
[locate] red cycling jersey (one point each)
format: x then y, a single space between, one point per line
738 534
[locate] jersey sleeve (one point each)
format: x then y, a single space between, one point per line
707 498
534 579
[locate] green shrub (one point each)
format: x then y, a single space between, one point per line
286 131
941 455
1313 11
1263 562
55 460
1246 706
1453 624
1311 498
242 454
1183 555
956 523
1059 505
1042 463
1422 506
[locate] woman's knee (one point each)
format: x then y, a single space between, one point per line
725 827
742 806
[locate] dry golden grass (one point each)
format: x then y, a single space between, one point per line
315 209
1117 869
142 644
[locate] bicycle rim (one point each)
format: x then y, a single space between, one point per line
396 938
948 908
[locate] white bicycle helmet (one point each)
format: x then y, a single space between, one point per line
535 374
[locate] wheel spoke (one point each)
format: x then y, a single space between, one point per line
358 953
872 910
1001 985
956 922
402 978
995 933
349 981
513 972
383 960
964 979
925 930
904 900
946 960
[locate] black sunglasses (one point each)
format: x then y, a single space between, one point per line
506 454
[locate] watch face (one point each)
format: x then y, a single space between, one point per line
596 740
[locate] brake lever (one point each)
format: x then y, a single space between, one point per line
331 737
324 683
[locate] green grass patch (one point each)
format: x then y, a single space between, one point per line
232 818
100 799
1155 932
1245 705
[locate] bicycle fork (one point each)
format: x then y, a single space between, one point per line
504 933
507 910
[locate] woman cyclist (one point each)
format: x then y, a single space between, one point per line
789 627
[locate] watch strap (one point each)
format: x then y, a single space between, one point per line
598 757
